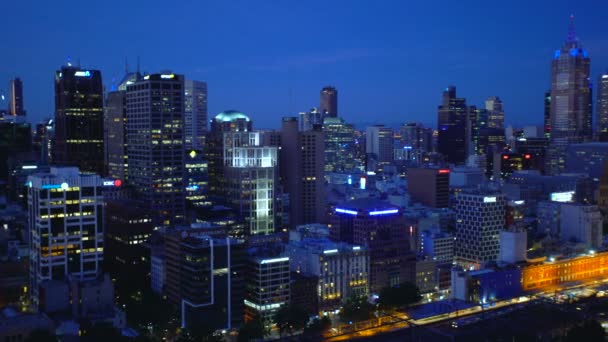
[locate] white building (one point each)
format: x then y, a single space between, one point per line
513 246
65 225
438 246
342 269
250 172
479 220
582 223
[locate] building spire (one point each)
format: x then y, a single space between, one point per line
572 40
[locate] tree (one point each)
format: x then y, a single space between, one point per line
590 331
41 335
254 329
198 333
399 296
102 331
290 318
355 309
317 328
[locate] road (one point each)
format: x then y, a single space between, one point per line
555 293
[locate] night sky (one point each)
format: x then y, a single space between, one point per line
390 60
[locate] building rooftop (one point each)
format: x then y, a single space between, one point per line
231 115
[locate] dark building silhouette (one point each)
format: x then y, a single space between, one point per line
602 107
329 102
15 106
452 127
79 119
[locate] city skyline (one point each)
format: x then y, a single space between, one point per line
269 73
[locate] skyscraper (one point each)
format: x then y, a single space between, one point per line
379 142
452 127
115 130
155 144
16 98
602 107
195 118
329 102
250 171
479 219
226 121
571 105
547 114
420 139
65 227
339 145
79 119
496 117
302 164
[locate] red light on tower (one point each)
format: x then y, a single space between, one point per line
505 157
527 156
443 171
117 183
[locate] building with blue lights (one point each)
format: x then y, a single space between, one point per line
571 100
380 227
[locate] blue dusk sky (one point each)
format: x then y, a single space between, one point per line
389 60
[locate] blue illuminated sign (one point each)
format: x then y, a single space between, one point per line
81 73
52 186
384 212
346 211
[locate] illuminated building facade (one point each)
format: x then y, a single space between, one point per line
479 220
418 138
226 121
329 102
311 118
452 127
155 144
196 173
79 119
339 145
602 107
65 226
507 163
381 228
496 113
429 186
340 268
268 286
571 105
555 272
250 172
195 117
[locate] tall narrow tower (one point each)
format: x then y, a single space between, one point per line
571 105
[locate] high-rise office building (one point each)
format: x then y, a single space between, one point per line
418 139
65 226
601 115
339 145
115 129
379 143
429 186
155 144
195 117
571 105
452 127
15 105
268 286
496 117
547 114
478 122
226 121
250 171
302 172
381 228
79 119
311 118
329 102
479 219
